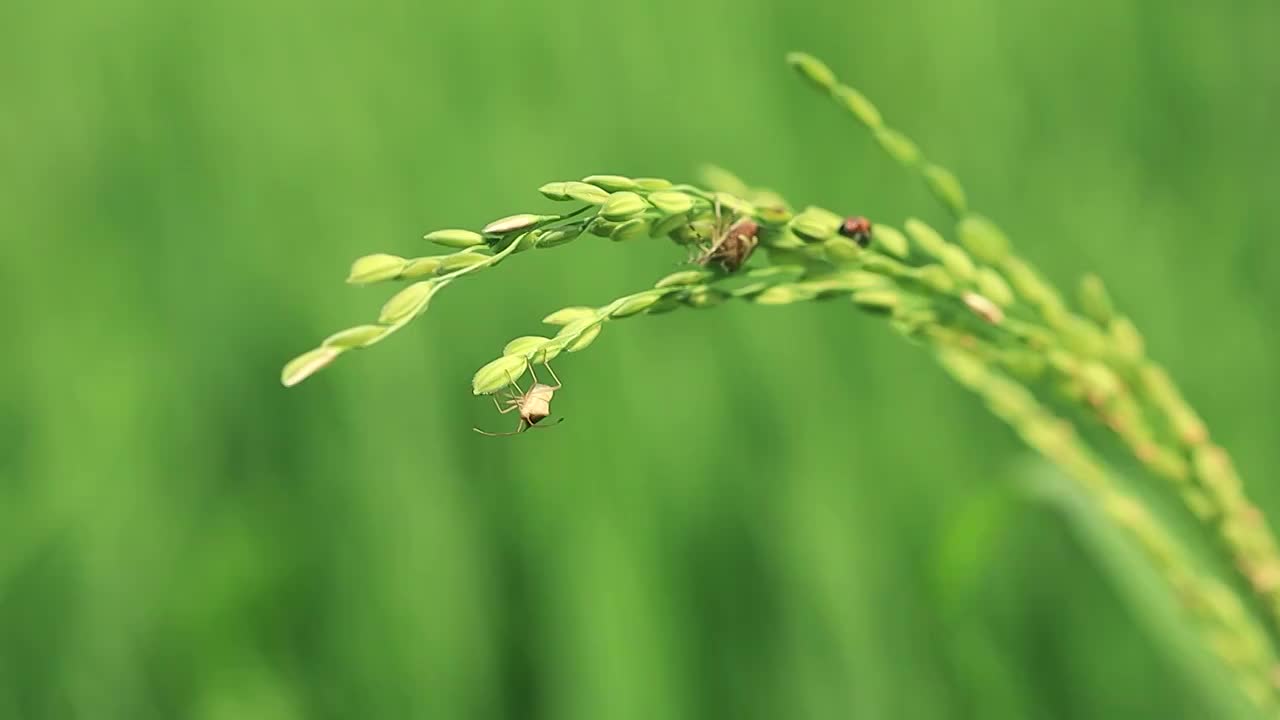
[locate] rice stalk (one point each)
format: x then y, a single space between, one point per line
988 315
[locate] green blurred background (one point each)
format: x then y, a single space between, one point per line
750 512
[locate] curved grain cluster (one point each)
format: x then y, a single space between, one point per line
993 321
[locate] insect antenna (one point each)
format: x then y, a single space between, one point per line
548 426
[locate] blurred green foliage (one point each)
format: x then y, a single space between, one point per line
750 512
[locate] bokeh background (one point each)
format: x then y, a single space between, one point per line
749 513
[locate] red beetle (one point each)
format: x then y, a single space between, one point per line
857 229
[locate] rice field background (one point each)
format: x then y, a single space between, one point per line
749 512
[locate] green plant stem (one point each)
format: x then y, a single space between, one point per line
1229 630
1217 498
995 324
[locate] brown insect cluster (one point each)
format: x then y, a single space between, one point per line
731 245
731 249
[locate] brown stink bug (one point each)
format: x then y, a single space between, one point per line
731 245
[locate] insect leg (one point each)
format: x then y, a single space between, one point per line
494 434
519 429
547 426
500 410
513 382
547 365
